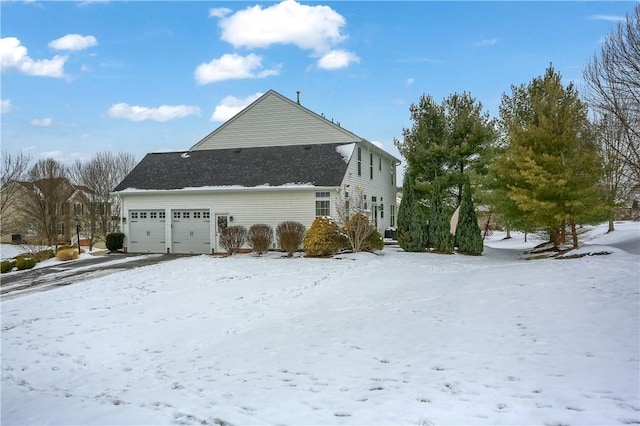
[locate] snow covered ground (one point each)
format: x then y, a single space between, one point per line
395 338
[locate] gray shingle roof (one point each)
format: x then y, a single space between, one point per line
320 165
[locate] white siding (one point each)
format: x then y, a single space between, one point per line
380 186
246 207
275 121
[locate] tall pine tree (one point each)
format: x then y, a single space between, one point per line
447 144
412 220
468 234
550 169
440 237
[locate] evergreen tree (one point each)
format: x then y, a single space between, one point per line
440 237
550 169
411 218
447 143
468 234
419 227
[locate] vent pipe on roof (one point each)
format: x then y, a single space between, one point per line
298 96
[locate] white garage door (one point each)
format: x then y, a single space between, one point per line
190 231
147 231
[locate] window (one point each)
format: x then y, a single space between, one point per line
374 199
61 228
161 215
143 215
359 161
176 215
393 215
322 208
196 215
134 215
153 215
205 215
371 166
392 183
185 215
381 211
380 163
77 209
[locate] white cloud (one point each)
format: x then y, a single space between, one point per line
13 55
219 12
610 18
162 113
41 122
5 106
337 59
410 81
73 42
90 2
232 66
486 42
314 28
231 105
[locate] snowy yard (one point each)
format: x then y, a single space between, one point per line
397 338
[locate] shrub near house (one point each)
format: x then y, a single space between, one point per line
323 238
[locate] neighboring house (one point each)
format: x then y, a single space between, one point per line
274 161
18 224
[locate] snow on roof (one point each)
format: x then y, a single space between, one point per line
346 151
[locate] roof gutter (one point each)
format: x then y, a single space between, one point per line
223 189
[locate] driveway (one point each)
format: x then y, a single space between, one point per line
17 284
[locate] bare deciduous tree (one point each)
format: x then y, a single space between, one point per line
13 170
615 175
353 217
45 206
100 175
612 78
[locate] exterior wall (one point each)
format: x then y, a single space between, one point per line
14 220
247 207
382 186
275 121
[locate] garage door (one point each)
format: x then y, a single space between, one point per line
147 231
190 231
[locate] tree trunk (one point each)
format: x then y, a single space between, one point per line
555 235
508 235
486 227
574 235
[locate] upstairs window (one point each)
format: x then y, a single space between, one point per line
371 166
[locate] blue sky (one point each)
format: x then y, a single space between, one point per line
83 77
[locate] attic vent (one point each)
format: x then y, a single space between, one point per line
185 155
237 151
307 147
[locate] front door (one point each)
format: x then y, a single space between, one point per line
222 221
